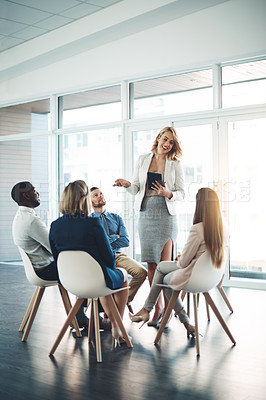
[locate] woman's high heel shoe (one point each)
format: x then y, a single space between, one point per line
140 318
117 337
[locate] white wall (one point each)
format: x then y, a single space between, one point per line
231 30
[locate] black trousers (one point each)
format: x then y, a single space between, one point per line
48 273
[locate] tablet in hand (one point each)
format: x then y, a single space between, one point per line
152 177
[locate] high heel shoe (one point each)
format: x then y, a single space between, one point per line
140 318
118 338
155 322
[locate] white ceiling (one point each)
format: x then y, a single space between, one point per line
26 22
22 20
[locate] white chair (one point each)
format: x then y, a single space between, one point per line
41 285
82 276
204 277
222 292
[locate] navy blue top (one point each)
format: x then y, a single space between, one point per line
80 232
116 227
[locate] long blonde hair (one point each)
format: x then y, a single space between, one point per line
176 151
75 199
208 211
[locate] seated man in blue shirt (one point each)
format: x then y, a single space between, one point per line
118 236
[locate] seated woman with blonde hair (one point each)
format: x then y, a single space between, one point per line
76 231
207 233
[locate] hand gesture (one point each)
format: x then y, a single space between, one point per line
122 183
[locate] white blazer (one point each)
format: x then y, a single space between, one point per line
173 177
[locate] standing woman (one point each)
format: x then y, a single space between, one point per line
76 231
158 205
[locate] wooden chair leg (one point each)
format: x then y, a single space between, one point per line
27 314
219 287
90 330
115 312
207 310
183 295
198 299
219 317
97 330
225 298
68 306
33 312
188 304
196 323
167 313
70 317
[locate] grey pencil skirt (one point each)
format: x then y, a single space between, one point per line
156 227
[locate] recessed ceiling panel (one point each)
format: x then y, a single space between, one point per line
80 10
51 6
16 12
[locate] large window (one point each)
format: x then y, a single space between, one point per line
175 94
246 195
91 107
96 157
244 84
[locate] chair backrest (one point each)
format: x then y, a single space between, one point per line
31 275
81 274
204 276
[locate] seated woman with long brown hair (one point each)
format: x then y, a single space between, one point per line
207 233
76 231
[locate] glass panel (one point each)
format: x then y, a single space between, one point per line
25 118
246 198
173 94
92 107
23 160
197 164
198 172
244 84
96 157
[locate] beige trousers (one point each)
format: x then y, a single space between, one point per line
133 268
